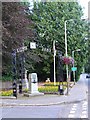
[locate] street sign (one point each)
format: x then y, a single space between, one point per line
74 68
21 49
32 45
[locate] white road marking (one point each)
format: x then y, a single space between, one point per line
84 109
84 112
85 103
73 109
72 112
75 105
84 116
71 116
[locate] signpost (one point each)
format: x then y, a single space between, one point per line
21 49
32 45
14 73
74 68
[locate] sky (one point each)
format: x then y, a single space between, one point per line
84 3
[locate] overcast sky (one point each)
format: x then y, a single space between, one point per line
84 3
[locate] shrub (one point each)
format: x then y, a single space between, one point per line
52 84
48 89
51 88
26 90
6 78
6 93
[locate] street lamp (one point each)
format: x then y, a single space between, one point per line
66 54
54 51
66 51
74 62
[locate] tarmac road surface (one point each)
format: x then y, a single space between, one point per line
74 109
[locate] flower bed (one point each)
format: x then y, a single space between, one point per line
52 83
50 88
47 88
6 93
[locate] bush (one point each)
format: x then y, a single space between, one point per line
48 89
6 78
26 90
51 88
6 93
52 84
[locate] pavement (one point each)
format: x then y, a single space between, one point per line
78 93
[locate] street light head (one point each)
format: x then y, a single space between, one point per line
78 50
69 20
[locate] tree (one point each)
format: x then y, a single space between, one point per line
87 64
49 18
15 30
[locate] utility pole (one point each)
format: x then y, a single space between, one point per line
66 56
54 50
73 67
74 62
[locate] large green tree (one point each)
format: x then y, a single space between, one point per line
43 25
87 65
49 19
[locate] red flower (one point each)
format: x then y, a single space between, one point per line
68 60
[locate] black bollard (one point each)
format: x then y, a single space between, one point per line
20 86
60 90
15 89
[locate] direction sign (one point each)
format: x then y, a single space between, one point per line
32 45
74 68
21 49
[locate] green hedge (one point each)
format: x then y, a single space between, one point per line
57 83
6 93
48 89
6 78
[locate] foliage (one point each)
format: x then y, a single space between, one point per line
15 29
57 83
6 93
43 25
6 78
26 90
51 88
68 60
49 19
48 89
87 64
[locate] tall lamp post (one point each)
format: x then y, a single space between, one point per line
74 62
66 56
54 50
66 53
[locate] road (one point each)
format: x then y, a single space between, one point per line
71 110
75 110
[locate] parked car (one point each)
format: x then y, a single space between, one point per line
88 76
